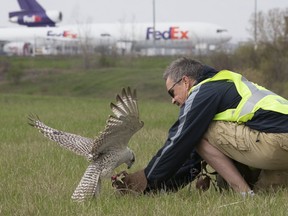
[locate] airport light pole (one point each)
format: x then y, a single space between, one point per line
286 27
255 24
154 23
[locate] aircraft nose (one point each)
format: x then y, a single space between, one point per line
224 35
60 16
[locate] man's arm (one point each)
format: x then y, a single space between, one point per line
137 182
194 119
185 175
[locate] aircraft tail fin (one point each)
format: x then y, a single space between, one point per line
32 14
30 5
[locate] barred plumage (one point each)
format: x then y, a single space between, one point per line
108 150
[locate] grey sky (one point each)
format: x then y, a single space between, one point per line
231 14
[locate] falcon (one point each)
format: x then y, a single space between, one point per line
106 152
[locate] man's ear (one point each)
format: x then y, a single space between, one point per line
188 82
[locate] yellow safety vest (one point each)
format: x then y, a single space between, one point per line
254 97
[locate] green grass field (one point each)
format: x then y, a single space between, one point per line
38 177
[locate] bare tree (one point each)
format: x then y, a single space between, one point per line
86 43
272 54
270 27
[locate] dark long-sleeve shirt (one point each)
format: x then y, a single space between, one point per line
194 118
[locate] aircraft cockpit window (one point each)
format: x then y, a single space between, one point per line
221 30
105 35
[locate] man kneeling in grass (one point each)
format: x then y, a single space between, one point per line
224 119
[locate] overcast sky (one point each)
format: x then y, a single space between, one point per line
233 15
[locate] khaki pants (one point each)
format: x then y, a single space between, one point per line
266 151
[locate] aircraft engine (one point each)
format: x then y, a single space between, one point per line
55 16
18 49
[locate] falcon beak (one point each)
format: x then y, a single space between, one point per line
131 162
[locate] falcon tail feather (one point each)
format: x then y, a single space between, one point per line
88 186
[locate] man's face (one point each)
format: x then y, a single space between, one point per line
178 90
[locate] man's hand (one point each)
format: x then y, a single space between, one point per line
134 183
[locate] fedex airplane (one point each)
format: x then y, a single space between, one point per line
125 36
32 14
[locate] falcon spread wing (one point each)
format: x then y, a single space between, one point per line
121 126
108 150
75 143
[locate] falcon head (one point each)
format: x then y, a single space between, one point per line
130 158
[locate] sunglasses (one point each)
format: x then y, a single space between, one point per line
171 91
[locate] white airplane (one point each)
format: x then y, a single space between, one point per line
125 36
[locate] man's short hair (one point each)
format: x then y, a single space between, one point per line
183 67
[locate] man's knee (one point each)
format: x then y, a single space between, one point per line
272 180
203 146
206 149
250 175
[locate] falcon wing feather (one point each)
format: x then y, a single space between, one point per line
89 184
121 126
133 102
75 143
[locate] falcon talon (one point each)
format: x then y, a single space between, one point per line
120 180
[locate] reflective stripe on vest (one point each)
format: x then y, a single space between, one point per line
254 97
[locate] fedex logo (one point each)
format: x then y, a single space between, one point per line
64 34
173 33
32 19
69 34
